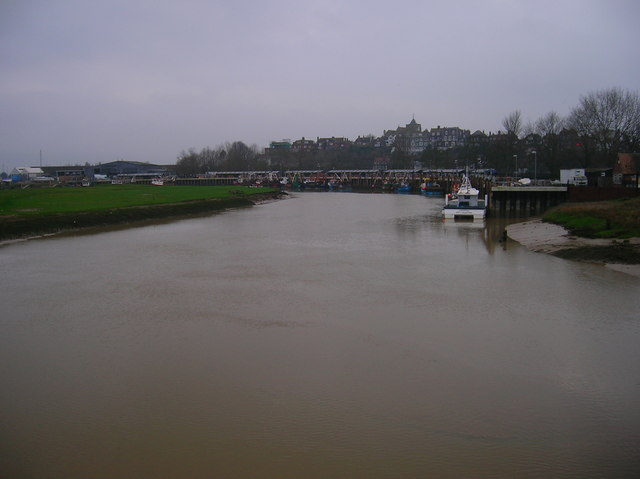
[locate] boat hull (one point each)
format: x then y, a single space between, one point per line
464 213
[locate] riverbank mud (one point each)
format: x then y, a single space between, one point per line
542 237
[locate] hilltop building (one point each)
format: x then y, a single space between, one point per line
408 138
280 145
413 140
333 143
448 137
478 138
365 141
303 145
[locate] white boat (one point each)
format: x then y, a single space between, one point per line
157 182
464 203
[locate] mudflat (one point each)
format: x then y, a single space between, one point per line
542 237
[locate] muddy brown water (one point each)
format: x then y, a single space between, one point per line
326 335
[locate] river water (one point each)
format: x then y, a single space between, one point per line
326 335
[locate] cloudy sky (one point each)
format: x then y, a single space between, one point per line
96 81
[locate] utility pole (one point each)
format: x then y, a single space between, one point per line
535 166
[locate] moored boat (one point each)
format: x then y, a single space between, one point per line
465 203
404 187
430 188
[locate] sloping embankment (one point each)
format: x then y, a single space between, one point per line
542 237
15 227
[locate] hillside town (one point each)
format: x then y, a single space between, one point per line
600 138
408 147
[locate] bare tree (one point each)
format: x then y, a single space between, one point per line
211 159
610 118
188 163
529 129
240 156
512 123
549 124
509 148
548 128
632 133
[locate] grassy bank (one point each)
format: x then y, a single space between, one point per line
45 201
38 211
618 220
603 219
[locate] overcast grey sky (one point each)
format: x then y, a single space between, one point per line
142 80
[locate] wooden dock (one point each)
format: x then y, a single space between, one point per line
524 200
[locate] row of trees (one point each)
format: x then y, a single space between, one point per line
237 156
234 156
608 121
603 124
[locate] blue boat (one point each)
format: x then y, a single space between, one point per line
403 188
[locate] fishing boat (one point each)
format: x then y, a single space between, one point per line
430 188
465 203
404 187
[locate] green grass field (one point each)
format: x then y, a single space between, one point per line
602 219
48 201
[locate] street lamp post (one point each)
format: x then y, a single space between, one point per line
516 158
535 166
